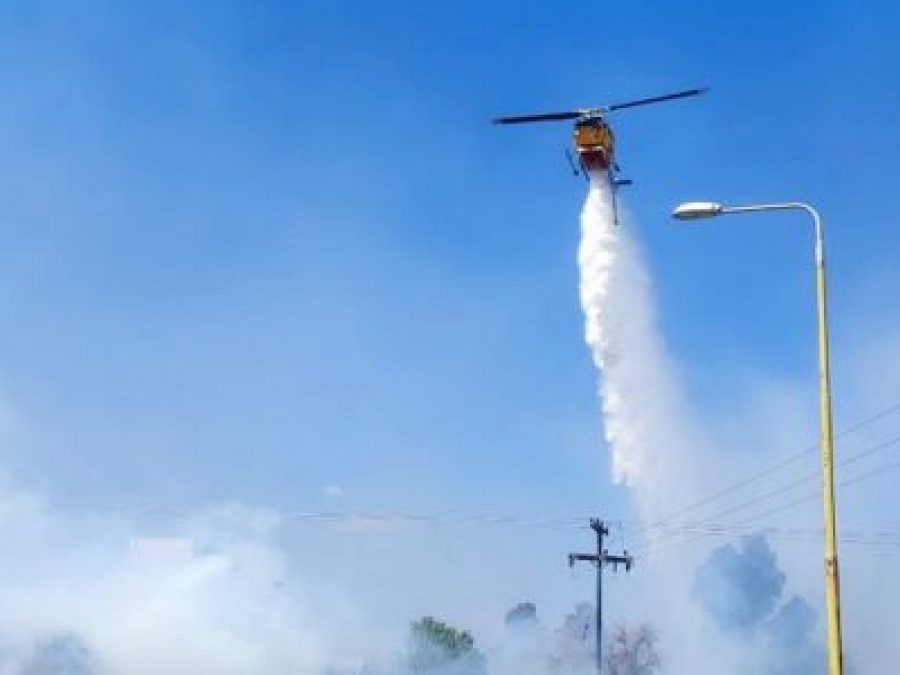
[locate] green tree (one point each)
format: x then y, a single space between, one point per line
437 646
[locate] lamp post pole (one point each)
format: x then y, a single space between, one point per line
697 210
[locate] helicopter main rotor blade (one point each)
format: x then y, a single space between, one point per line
656 99
543 117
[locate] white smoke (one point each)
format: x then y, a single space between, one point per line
218 595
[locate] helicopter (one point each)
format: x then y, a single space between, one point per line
592 136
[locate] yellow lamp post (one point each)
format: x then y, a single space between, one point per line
698 210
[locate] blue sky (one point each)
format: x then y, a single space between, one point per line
250 250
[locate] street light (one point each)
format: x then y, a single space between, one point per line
698 210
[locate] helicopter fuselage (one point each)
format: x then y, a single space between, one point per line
594 141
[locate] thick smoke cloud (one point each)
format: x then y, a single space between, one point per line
219 594
226 599
742 589
62 654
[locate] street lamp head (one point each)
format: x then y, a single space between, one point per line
696 210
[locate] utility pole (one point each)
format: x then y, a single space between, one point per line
601 559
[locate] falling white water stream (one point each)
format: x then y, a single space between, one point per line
657 443
598 255
638 392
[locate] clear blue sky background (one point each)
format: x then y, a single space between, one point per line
249 250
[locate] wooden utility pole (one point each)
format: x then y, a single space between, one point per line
601 559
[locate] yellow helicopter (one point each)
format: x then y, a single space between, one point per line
592 136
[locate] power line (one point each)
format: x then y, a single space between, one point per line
781 536
790 459
635 528
664 526
730 529
674 531
815 495
790 486
866 475
434 518
670 527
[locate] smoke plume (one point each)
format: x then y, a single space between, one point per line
219 595
742 589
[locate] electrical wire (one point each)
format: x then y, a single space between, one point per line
435 518
790 459
866 475
666 528
637 527
793 485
